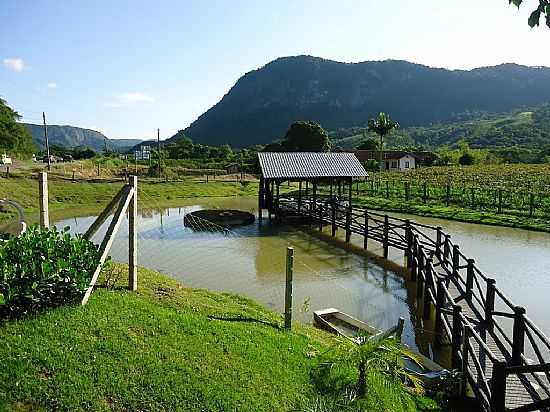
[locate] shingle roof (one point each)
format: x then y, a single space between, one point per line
310 164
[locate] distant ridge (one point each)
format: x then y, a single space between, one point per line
264 102
71 137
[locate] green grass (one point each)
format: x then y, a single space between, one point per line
454 213
68 198
163 348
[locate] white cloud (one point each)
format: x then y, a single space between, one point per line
15 64
52 85
129 99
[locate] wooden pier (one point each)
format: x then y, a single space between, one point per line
501 355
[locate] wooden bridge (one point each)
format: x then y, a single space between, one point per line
502 356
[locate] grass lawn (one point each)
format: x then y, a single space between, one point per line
163 348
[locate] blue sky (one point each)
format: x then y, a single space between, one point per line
127 67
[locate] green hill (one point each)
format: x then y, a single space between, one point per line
528 129
263 103
70 137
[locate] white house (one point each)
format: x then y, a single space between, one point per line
401 162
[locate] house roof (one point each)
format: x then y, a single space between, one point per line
309 165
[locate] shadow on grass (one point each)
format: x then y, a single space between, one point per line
246 320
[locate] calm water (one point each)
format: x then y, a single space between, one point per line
251 261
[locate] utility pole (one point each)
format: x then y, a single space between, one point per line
158 151
46 139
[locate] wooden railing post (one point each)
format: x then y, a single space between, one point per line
427 286
348 225
470 279
420 272
366 230
456 339
408 238
498 387
465 355
456 260
446 249
288 287
414 258
333 217
43 199
438 242
490 304
386 236
132 241
518 340
439 305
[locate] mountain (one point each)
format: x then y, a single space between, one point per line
263 103
522 128
71 137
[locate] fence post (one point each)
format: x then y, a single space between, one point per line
531 204
7 172
440 302
456 260
320 217
386 236
470 279
348 225
288 288
518 342
387 190
333 219
490 304
366 230
439 241
43 199
473 198
414 254
424 192
498 387
407 191
457 335
408 237
132 242
465 356
427 286
499 200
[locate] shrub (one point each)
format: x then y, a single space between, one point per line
43 268
467 159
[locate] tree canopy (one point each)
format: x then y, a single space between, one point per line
305 136
14 137
543 9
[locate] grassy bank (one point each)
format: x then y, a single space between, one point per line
164 347
454 213
67 198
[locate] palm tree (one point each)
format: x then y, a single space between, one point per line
382 126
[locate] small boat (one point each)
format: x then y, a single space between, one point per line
332 320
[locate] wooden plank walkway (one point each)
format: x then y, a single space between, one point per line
464 303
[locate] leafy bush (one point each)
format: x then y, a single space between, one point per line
44 268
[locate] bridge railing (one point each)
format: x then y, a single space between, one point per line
504 357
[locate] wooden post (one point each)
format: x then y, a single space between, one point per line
427 286
47 141
420 270
43 199
457 335
456 260
518 341
386 236
366 230
313 203
414 254
531 204
299 197
439 241
387 190
350 195
470 279
490 303
333 217
132 243
288 288
424 192
439 304
277 211
320 217
498 387
408 237
348 225
465 355
499 200
7 172
446 249
158 155
473 198
261 198
98 169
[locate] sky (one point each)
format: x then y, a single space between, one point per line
128 67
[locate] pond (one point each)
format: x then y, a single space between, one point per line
250 260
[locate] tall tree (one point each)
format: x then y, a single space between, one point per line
543 9
306 137
382 126
14 137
